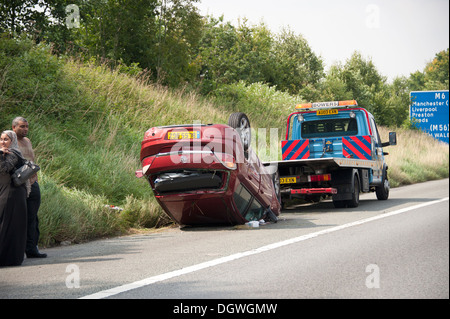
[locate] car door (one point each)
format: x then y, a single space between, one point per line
377 153
252 172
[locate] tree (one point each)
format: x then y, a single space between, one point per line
397 103
435 75
118 30
416 81
228 54
297 68
21 16
216 54
252 54
436 72
179 27
359 79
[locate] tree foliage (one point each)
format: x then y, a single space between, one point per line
227 54
436 72
172 42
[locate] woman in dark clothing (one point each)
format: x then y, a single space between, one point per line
13 209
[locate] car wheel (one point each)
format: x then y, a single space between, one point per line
240 122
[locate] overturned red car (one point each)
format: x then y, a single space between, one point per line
208 174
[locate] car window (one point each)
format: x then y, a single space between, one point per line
247 205
376 135
242 198
255 212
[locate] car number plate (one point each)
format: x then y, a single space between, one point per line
288 180
183 135
327 112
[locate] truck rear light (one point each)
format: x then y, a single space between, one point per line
319 178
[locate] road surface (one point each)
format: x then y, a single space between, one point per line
397 248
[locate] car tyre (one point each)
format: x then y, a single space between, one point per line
240 122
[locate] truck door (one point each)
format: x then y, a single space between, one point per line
377 153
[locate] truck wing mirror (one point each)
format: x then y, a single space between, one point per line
392 140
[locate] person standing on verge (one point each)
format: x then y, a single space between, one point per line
20 127
13 204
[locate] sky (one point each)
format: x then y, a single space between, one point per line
399 36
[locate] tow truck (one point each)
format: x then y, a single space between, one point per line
332 149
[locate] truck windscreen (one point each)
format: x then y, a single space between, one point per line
329 128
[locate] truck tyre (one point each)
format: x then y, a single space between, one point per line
382 191
240 122
354 202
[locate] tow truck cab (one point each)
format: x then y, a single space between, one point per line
333 148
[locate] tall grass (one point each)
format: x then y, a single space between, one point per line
417 157
70 214
87 123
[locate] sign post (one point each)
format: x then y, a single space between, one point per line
429 112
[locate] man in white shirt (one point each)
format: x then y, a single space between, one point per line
20 127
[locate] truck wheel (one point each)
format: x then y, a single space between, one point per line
354 202
240 122
382 191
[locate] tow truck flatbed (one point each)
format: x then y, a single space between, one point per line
330 162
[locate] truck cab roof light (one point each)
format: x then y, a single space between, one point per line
326 105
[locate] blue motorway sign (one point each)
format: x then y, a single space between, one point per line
429 112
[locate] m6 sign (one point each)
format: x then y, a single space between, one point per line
429 112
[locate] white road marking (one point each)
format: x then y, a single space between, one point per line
218 261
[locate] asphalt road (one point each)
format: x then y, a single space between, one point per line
397 248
